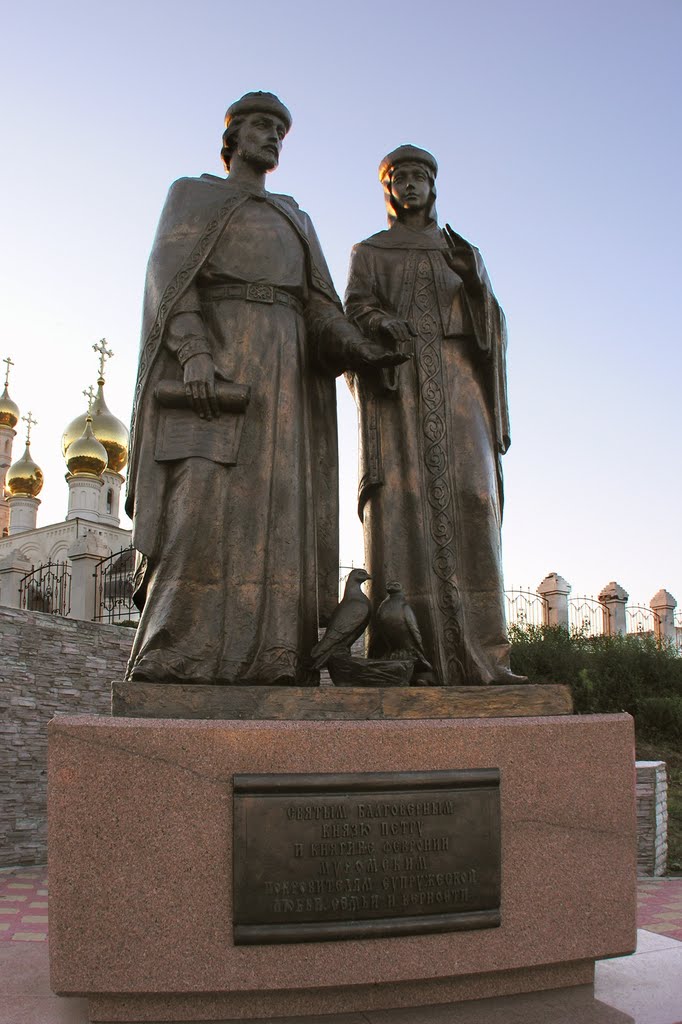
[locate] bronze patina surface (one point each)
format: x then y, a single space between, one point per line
234 497
131 699
319 857
432 431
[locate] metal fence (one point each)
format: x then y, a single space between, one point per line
47 589
344 573
525 608
114 581
586 615
640 619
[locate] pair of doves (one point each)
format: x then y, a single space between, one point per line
394 618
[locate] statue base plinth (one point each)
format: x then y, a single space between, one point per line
141 838
321 703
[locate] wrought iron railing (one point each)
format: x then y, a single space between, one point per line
640 619
344 573
47 588
114 580
587 615
525 608
678 630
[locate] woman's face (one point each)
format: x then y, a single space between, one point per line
410 187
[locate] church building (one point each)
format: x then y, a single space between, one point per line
45 568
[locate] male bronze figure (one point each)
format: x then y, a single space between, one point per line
433 430
232 484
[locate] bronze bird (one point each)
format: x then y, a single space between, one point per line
348 622
397 624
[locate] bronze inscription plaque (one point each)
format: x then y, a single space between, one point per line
365 855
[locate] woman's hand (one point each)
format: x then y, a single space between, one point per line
398 331
459 256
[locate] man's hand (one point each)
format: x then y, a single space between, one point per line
200 386
369 354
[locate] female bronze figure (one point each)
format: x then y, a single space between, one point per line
433 430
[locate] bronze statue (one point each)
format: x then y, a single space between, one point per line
432 430
347 623
232 484
399 629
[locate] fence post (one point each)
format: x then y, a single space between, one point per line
555 589
84 554
13 568
613 598
663 606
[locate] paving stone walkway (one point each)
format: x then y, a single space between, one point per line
23 905
659 906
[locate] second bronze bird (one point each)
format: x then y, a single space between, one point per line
396 623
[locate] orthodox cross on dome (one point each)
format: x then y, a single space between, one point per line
90 393
10 362
104 354
30 422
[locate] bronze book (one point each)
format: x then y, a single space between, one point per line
182 434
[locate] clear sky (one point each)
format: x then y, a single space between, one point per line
557 130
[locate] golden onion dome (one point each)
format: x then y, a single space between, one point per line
9 410
24 477
108 430
86 456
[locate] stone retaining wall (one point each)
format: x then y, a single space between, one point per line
48 665
652 818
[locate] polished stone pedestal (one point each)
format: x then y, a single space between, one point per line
140 860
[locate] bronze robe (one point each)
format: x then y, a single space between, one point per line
432 432
240 561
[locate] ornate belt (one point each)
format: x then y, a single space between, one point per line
251 293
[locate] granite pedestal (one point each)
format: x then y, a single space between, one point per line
140 864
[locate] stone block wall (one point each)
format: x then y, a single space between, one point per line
48 665
652 818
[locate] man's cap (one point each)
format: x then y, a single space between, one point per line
402 155
259 103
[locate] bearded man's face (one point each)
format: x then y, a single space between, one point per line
259 141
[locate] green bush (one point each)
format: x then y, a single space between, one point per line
633 673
